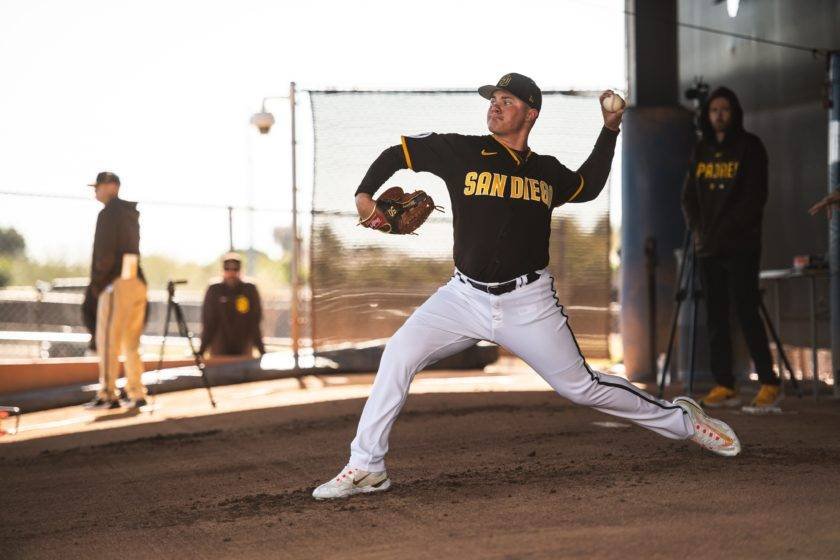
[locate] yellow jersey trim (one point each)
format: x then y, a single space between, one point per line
405 153
579 189
511 152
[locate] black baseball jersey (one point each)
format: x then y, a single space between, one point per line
501 200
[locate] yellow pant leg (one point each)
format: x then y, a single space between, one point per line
108 344
131 307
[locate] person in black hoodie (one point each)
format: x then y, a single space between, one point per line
118 284
723 202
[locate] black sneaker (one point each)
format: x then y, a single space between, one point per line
137 403
103 404
95 403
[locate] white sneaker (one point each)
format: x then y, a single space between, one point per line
714 435
352 481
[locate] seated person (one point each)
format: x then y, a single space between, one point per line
231 314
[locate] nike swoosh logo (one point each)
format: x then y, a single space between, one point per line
356 482
486 153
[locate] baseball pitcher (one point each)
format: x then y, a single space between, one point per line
502 195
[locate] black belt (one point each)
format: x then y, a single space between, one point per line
502 287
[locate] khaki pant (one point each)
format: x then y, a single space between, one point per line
119 323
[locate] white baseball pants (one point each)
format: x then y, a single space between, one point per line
529 322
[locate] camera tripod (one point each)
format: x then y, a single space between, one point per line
687 289
7 412
173 308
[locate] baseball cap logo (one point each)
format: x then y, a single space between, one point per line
521 86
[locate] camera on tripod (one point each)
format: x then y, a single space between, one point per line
170 286
173 310
698 92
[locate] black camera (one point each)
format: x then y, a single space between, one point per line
698 92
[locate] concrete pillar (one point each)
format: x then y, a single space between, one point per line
834 223
657 147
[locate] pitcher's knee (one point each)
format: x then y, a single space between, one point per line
401 362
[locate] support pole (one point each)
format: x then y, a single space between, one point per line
295 241
650 258
230 228
834 221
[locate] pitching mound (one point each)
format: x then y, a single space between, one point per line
481 475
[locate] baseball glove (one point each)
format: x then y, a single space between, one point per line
400 212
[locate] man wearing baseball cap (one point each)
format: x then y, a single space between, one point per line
502 196
117 281
521 86
231 313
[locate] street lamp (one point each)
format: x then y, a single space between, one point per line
264 121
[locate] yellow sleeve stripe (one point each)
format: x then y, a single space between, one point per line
579 189
405 153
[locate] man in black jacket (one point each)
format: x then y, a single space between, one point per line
117 281
231 314
723 202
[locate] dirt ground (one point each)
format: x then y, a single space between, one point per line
507 475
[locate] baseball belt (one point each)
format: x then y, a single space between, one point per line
501 287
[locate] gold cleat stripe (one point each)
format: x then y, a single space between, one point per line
724 437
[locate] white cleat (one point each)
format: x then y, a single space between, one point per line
710 433
352 481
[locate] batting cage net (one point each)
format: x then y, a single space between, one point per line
364 284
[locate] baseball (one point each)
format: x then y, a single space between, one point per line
613 103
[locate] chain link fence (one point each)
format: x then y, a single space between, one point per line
356 285
44 280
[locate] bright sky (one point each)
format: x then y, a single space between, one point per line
161 92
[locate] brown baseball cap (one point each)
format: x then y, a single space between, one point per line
105 177
521 86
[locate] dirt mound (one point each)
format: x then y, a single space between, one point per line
501 475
